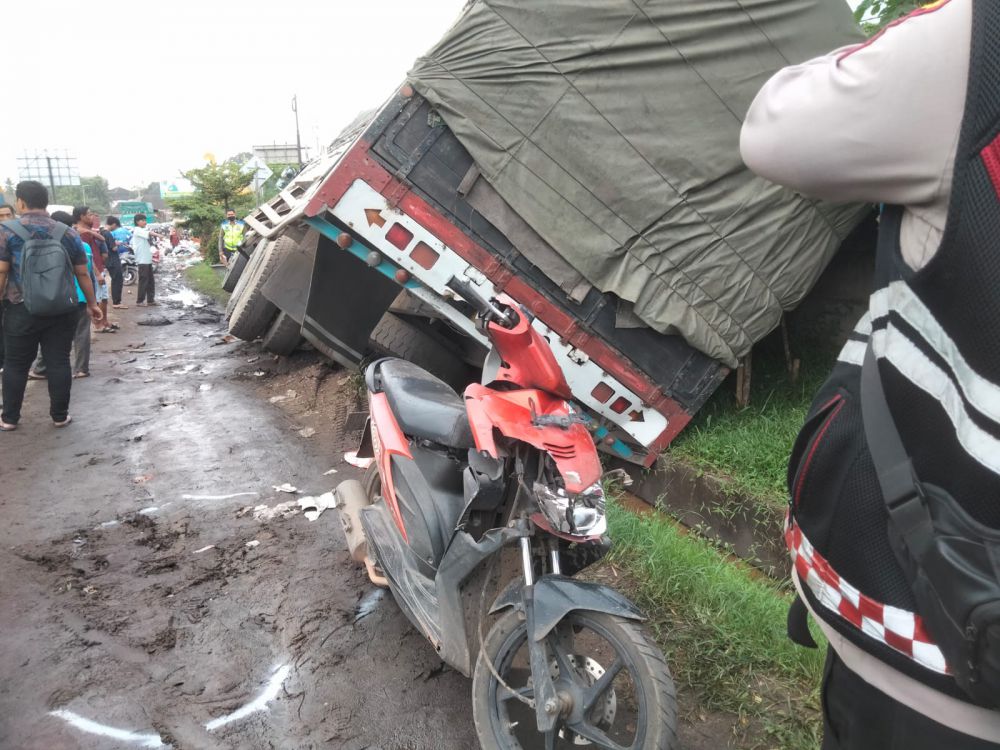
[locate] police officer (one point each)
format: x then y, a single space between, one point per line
904 438
230 236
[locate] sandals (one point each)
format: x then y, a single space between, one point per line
4 427
79 375
32 375
64 422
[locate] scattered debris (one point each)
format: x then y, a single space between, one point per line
142 479
129 361
227 339
268 513
148 511
155 320
312 507
328 473
619 475
361 463
283 397
107 524
206 548
252 544
205 387
286 487
307 432
253 359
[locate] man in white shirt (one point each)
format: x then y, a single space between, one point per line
143 249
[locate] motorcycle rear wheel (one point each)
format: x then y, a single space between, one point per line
129 275
635 708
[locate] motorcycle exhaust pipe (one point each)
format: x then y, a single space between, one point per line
350 498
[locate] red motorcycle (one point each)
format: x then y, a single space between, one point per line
476 512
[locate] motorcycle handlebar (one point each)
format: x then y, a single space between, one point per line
486 308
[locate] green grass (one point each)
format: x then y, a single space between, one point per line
749 447
206 280
722 628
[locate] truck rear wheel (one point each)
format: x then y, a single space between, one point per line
284 335
237 265
241 283
253 312
395 336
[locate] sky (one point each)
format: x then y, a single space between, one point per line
141 91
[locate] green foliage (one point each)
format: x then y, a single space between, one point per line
722 628
217 187
875 14
206 280
8 191
750 446
92 191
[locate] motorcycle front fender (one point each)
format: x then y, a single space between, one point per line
556 596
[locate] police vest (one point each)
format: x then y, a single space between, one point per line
232 235
936 334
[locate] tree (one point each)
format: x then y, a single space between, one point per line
92 191
217 187
873 15
8 191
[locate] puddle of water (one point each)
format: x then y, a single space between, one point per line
368 603
187 297
268 694
93 727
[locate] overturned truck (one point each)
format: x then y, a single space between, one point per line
583 158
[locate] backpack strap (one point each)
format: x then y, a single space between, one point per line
17 228
902 491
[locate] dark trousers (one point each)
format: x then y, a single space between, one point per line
1 335
114 265
857 716
23 335
147 284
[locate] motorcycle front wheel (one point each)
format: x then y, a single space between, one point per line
615 690
129 275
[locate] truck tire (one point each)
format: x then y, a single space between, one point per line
253 313
284 335
236 267
241 283
396 337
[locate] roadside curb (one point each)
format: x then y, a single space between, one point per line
743 525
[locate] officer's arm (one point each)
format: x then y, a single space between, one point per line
875 123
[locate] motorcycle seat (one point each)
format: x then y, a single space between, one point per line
424 406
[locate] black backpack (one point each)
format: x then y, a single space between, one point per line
46 272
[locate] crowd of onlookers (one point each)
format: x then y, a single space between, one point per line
39 346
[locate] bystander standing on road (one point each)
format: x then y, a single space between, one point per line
230 236
123 243
83 222
6 214
24 332
143 249
113 263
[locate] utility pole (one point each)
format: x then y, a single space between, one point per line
52 180
298 140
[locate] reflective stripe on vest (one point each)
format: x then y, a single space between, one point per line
897 628
232 235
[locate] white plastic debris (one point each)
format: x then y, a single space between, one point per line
307 432
283 397
328 473
251 545
312 507
362 463
286 487
266 513
206 548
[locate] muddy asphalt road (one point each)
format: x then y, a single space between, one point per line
141 602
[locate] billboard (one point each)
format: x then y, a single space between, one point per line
176 187
51 167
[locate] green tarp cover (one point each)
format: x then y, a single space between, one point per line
612 127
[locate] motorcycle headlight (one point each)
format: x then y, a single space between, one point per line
581 514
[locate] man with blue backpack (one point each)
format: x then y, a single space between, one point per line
39 260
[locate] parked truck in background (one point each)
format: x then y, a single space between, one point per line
356 253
